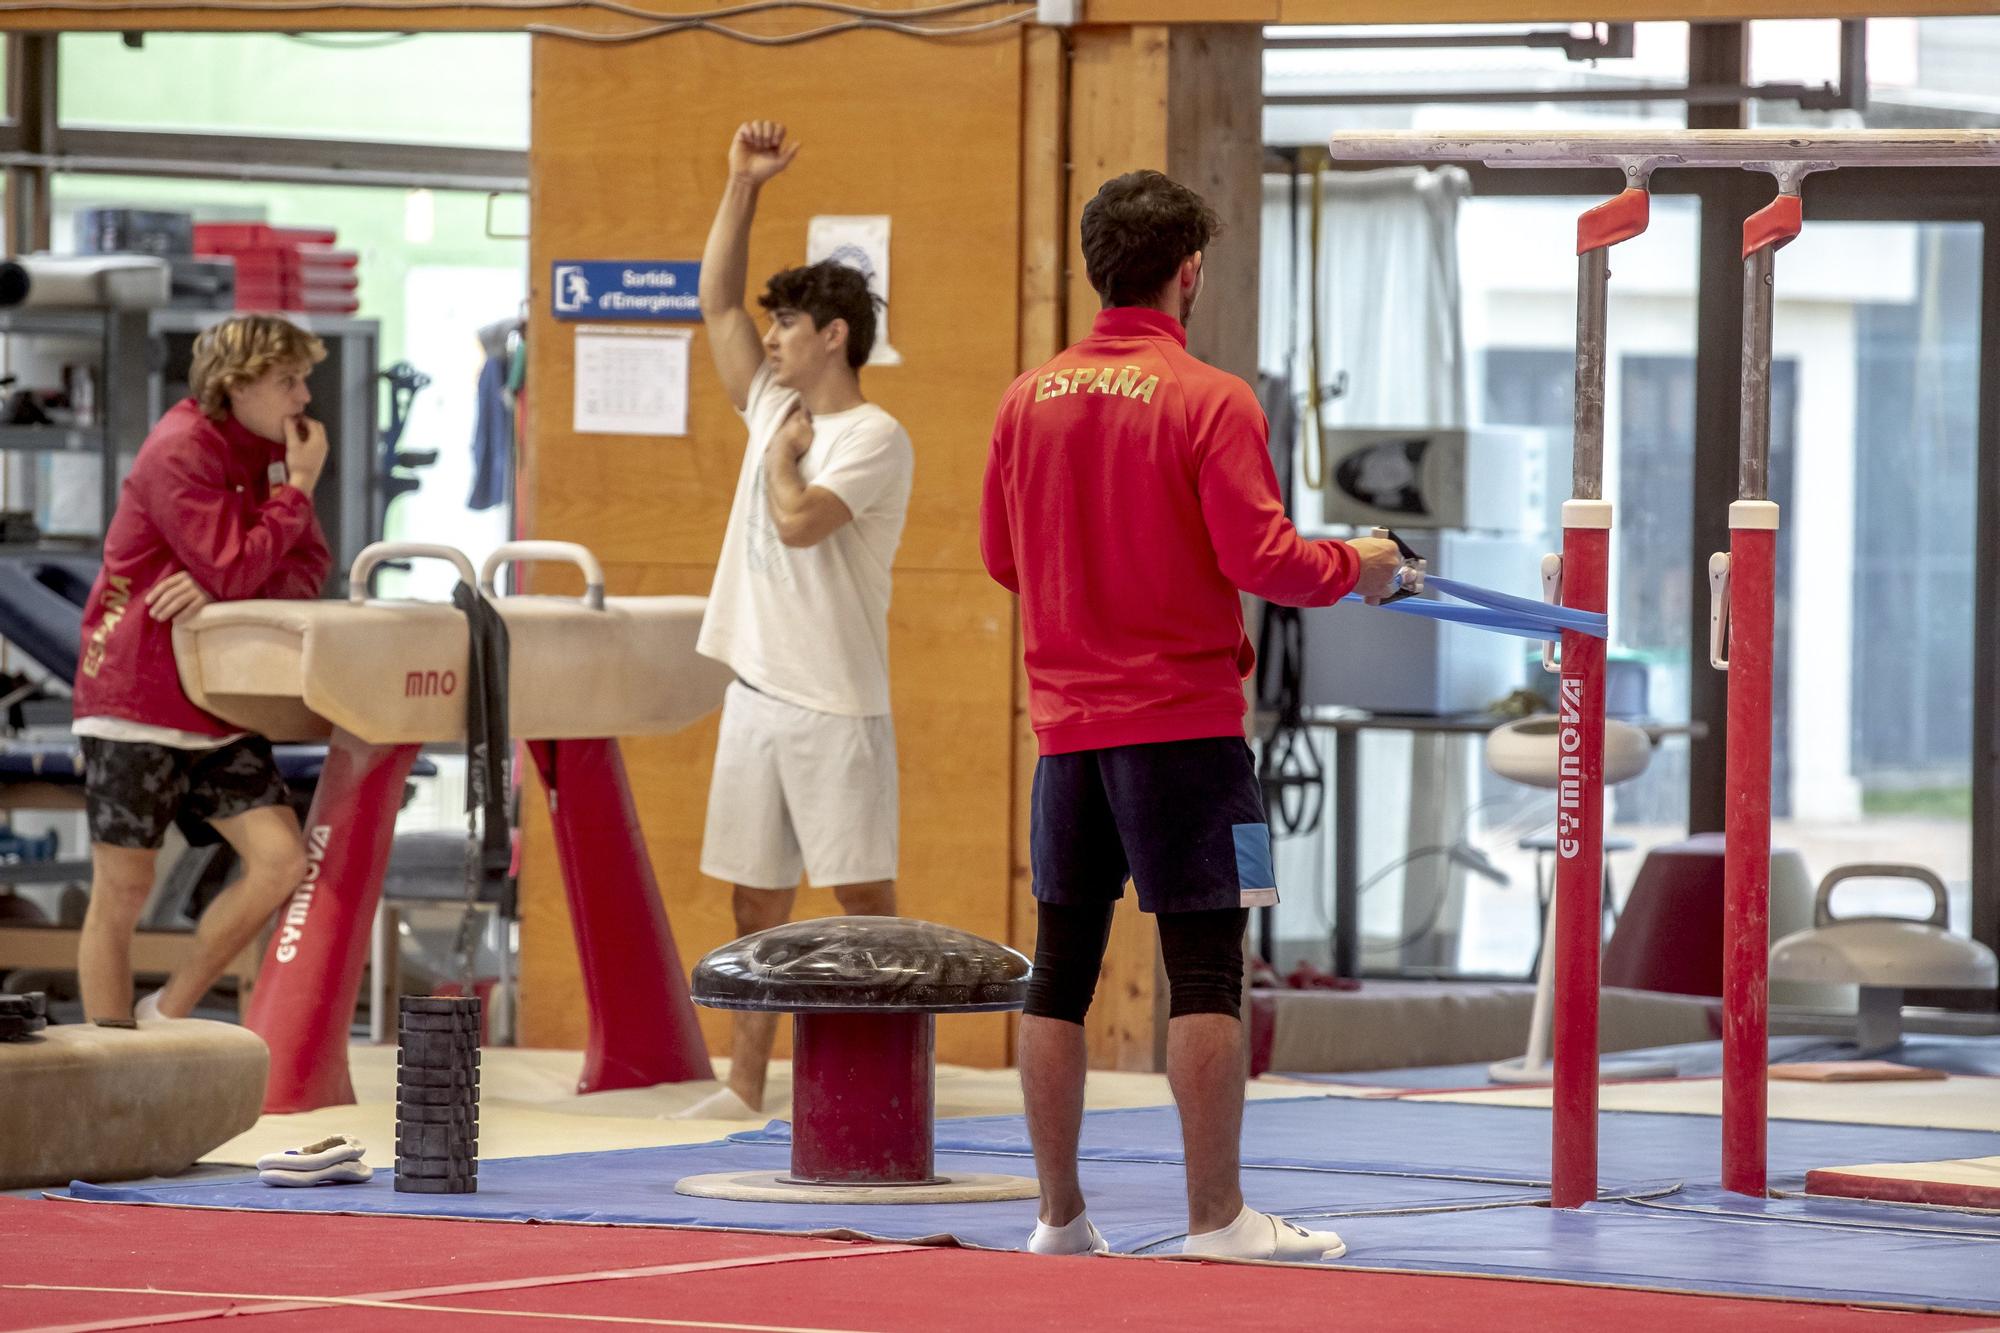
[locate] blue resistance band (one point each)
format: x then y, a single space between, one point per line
1498 612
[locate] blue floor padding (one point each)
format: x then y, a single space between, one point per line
1424 1187
1636 1245
1824 1211
1138 1204
1490 1142
1978 1056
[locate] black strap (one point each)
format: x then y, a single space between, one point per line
488 851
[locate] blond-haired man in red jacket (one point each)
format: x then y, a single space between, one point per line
218 506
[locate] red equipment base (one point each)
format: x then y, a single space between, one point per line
643 1028
303 1003
862 1110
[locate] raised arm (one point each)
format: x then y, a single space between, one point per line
757 153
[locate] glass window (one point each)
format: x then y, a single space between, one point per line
430 275
1448 850
1520 304
1659 58
460 89
1879 326
1932 72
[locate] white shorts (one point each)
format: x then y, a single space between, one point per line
799 790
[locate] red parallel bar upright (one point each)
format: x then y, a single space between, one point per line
1586 576
643 1029
1751 579
303 1004
1746 860
1579 869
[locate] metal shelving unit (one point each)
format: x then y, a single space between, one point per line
117 345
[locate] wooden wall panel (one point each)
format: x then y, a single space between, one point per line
628 160
1118 123
1215 147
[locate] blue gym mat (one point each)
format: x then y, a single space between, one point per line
1139 1203
1974 1056
1414 1186
1510 1143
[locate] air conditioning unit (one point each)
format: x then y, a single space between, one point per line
1483 478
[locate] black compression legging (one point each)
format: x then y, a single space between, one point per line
1202 951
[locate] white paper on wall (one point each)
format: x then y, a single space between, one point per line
861 243
631 381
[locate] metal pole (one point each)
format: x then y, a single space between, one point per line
1753 458
1593 283
1586 576
1346 852
1751 576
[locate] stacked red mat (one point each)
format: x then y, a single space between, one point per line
284 268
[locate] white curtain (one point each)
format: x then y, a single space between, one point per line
1388 296
1389 317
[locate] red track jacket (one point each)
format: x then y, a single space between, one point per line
199 499
1129 494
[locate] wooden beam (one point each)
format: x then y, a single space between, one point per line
258 16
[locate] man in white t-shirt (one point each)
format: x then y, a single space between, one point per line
805 766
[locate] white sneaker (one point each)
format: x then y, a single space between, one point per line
1255 1235
340 1173
314 1156
334 1161
1080 1236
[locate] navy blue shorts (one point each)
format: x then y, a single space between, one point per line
1183 820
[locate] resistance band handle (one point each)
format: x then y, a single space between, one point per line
1410 581
1776 224
1718 611
1613 221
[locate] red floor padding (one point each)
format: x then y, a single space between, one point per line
1895 1189
231 1262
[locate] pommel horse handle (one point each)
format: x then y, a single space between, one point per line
374 554
569 552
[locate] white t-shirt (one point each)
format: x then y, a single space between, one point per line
145 733
810 625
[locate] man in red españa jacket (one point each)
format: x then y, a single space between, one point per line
218 506
1129 495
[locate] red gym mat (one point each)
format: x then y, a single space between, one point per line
93 1268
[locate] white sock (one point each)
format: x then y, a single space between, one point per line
340 1173
1078 1237
1255 1235
722 1104
148 1009
314 1156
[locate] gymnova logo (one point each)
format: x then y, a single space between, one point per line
1569 802
294 928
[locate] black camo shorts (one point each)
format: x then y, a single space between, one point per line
134 789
